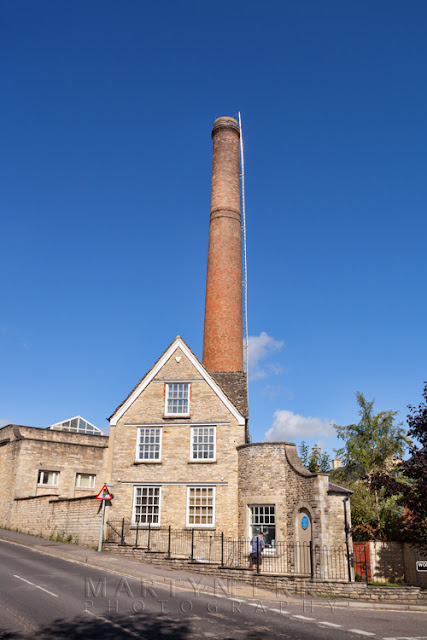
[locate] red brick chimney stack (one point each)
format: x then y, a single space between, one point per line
223 336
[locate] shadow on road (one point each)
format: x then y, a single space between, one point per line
87 627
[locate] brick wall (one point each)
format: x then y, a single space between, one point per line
223 331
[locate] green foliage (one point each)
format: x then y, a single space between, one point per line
372 443
409 485
316 460
374 517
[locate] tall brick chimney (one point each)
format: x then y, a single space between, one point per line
223 334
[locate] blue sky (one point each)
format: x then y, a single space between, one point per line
106 115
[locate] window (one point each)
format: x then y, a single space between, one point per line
201 506
146 505
85 481
48 478
263 518
177 399
149 443
203 443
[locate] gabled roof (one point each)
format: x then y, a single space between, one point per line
178 343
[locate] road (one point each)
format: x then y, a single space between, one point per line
48 598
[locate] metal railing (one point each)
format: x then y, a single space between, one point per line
289 558
293 559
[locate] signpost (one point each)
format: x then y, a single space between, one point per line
103 495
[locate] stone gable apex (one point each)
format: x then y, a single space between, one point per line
178 345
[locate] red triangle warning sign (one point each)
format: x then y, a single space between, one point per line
104 494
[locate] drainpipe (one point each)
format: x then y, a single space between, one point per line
347 531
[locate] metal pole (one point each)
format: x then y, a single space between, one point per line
245 268
149 535
101 530
311 560
136 537
123 529
192 544
366 564
169 542
222 548
347 530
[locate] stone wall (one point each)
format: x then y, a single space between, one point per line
335 523
47 516
64 452
9 453
272 473
282 584
395 562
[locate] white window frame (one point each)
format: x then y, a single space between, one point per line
145 524
40 477
138 444
92 481
177 415
194 430
207 525
262 525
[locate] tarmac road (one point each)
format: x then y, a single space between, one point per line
46 597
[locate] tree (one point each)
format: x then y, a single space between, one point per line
373 442
316 460
408 485
370 446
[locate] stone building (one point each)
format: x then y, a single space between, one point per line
47 464
179 451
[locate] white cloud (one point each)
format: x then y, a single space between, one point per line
289 426
259 348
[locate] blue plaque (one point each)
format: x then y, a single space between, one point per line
305 522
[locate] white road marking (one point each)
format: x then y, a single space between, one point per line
278 611
331 624
304 618
113 624
36 585
361 633
407 638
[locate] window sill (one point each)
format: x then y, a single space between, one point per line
204 461
47 486
169 416
200 527
147 462
85 488
144 527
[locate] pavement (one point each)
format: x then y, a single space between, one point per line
182 580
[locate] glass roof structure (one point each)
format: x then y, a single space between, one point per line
76 425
